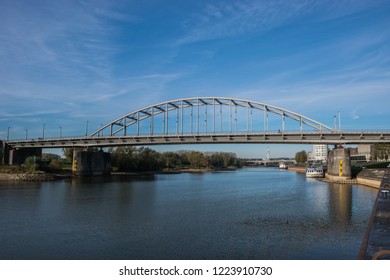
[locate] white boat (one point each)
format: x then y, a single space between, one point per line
283 165
315 172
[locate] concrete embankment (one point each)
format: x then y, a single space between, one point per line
339 180
371 177
368 177
376 242
299 169
32 177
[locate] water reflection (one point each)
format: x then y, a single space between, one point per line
340 203
254 213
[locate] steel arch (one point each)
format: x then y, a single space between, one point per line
121 124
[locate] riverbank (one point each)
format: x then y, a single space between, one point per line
299 169
376 242
367 177
371 177
30 177
43 176
173 171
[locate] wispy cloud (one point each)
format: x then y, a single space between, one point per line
63 39
221 19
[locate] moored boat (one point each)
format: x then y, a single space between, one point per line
315 172
283 165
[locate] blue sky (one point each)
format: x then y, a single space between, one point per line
63 63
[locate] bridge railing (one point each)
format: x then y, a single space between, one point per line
240 133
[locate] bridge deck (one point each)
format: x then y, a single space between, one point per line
376 243
334 137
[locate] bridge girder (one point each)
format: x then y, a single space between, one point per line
120 125
330 138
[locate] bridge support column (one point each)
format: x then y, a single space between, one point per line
10 156
91 163
2 152
339 163
17 156
6 154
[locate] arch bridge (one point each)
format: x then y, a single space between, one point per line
205 120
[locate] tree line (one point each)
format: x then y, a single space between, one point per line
127 159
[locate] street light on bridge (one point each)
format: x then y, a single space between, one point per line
86 129
8 133
26 132
43 131
60 131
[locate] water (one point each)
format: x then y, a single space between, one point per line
252 213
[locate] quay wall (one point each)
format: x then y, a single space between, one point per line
371 177
299 169
339 163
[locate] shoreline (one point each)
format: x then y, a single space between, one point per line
369 177
41 176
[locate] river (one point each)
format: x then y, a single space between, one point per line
250 213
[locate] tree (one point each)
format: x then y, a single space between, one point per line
216 160
228 159
68 153
301 157
171 159
55 164
196 159
128 158
123 158
32 163
148 159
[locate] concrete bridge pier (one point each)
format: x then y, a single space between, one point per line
2 152
91 163
17 156
339 163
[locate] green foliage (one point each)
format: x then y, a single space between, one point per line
11 169
1 151
123 158
381 151
197 160
171 159
32 164
55 164
68 153
216 160
47 157
148 159
223 160
128 159
301 157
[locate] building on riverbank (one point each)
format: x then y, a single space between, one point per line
319 153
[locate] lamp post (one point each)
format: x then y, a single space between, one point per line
26 132
86 129
8 133
43 131
339 120
334 122
60 131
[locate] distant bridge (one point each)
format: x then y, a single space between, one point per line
209 120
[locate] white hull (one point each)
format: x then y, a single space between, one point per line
283 166
315 172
